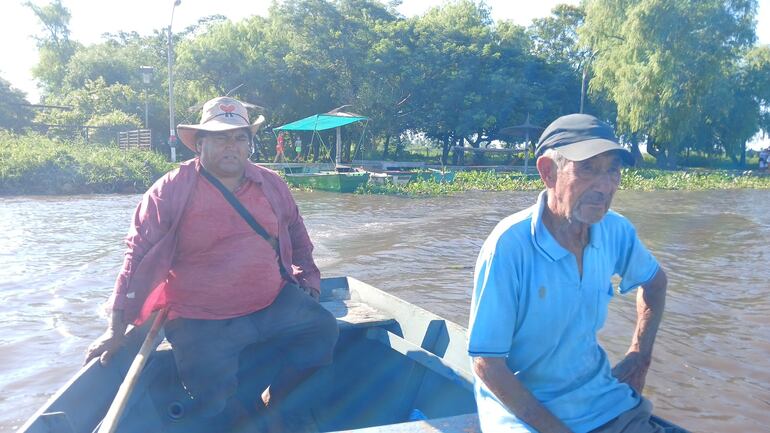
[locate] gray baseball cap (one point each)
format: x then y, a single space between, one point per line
579 137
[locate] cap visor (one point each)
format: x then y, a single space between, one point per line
587 149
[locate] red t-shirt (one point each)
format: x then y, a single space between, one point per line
222 267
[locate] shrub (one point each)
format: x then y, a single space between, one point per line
34 164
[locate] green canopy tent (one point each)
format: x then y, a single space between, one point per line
322 122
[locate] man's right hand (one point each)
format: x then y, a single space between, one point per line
312 293
105 347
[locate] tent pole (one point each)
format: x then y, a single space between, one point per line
338 148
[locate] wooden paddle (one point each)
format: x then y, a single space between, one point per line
110 421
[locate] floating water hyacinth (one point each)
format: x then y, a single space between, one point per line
633 179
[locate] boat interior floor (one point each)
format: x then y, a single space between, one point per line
370 383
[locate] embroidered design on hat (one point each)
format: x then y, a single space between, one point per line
228 109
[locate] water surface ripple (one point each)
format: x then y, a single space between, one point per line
711 372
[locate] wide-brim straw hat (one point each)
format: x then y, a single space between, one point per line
219 114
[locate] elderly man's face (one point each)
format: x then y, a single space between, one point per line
226 153
585 188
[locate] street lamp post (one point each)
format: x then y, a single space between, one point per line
583 83
147 72
172 129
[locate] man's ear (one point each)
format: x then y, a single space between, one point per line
547 169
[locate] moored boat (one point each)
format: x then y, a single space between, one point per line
328 180
438 176
403 177
397 368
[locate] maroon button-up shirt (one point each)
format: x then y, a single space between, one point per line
152 239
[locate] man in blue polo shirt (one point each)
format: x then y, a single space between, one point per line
542 286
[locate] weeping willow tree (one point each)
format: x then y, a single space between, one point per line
668 65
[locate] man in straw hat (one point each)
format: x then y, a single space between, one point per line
227 282
541 289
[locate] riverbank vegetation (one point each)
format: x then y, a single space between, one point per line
636 179
452 78
34 164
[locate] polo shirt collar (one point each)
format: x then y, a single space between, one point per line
544 241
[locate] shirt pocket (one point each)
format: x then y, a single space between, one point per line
553 306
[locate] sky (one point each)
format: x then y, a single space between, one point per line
92 18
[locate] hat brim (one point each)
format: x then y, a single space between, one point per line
583 150
187 133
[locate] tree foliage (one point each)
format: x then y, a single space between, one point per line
96 105
15 114
681 75
54 44
668 65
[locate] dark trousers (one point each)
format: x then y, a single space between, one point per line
207 351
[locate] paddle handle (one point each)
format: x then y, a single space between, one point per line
110 421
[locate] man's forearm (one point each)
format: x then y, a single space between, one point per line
117 324
650 303
509 390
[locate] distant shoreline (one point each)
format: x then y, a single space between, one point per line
35 165
62 183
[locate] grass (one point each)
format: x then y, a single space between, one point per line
647 179
34 164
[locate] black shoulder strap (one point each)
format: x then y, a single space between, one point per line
238 206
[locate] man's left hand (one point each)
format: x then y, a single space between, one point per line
632 370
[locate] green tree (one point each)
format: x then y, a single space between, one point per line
660 61
308 56
117 60
555 38
96 104
758 80
474 77
54 45
15 114
107 125
454 47
737 108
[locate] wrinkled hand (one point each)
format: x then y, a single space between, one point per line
312 293
104 347
632 370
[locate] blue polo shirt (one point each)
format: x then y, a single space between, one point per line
531 306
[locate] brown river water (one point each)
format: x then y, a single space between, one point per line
711 370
